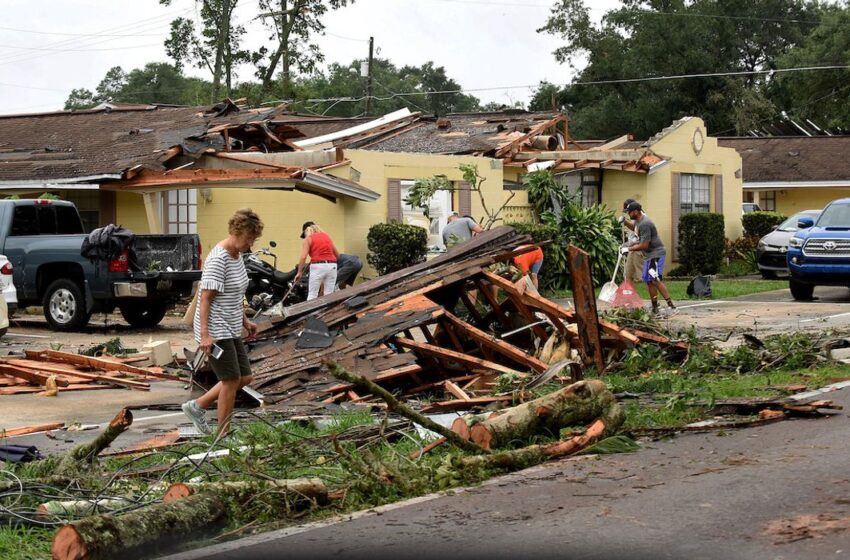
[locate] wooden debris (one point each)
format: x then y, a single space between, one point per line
34 429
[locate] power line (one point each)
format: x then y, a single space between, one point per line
79 50
78 34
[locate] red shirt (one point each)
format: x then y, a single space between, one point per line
321 248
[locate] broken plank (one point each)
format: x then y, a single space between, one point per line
21 389
448 406
141 385
585 302
455 390
508 350
12 432
34 377
97 363
451 354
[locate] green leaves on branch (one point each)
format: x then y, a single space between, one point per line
396 246
702 242
759 224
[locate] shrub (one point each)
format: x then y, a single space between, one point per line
554 263
594 230
396 246
701 242
759 224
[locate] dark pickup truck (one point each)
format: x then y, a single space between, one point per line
43 239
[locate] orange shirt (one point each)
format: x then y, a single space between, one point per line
525 260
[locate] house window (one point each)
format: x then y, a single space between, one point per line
767 201
181 211
439 209
694 193
590 183
88 204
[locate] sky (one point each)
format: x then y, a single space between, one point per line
49 47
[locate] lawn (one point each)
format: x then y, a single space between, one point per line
721 289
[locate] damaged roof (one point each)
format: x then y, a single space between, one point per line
790 159
105 141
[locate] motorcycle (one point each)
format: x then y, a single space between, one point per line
267 286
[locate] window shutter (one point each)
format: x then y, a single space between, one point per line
676 210
394 201
464 199
718 194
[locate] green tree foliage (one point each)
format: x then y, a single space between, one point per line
645 38
212 44
80 98
291 24
543 189
396 246
345 82
759 224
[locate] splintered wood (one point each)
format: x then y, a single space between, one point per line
452 324
72 372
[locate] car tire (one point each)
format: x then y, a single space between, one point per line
65 306
801 292
143 314
768 274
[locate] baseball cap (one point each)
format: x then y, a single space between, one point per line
626 203
633 205
305 226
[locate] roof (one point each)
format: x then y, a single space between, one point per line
107 141
789 159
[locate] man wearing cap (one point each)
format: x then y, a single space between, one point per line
633 269
654 254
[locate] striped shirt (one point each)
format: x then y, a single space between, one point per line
228 278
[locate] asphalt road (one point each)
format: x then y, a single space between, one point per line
780 491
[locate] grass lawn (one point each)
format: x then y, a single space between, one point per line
720 289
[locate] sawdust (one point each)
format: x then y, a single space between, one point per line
807 526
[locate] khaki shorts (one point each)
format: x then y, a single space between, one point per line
634 266
233 362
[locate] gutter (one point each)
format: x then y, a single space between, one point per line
777 185
65 181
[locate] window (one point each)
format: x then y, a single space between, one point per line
439 209
694 193
24 221
767 201
88 205
181 207
590 183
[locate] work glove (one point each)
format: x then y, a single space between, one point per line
624 250
621 220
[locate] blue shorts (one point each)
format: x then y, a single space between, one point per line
656 264
536 266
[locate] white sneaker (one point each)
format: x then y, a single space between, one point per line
197 415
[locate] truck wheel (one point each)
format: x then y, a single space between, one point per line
768 274
147 314
65 306
801 292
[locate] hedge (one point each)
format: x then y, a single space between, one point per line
759 224
396 246
701 242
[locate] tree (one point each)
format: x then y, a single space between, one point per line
645 38
80 98
291 23
111 85
214 45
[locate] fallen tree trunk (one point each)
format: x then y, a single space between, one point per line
309 489
79 508
576 404
186 510
340 373
84 454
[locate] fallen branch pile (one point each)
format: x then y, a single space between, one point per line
449 324
51 371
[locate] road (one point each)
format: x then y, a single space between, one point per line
780 491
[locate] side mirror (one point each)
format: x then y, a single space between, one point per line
804 223
272 244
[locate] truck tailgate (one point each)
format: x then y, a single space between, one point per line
163 252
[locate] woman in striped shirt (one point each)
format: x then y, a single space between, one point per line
219 319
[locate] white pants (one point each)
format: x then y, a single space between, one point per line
321 274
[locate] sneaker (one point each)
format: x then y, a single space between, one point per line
197 415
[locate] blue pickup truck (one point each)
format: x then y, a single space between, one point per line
43 240
819 253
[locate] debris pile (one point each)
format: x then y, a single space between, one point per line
50 372
451 323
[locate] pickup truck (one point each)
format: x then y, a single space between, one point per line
43 239
819 253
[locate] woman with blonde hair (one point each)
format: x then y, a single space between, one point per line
319 246
219 319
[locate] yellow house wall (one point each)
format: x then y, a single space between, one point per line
791 201
376 169
130 212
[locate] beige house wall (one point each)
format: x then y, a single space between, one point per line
791 201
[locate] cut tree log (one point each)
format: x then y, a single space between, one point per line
311 489
79 508
576 404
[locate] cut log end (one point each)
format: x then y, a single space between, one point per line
122 420
68 545
460 427
177 491
481 436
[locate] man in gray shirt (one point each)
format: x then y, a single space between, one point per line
654 254
459 229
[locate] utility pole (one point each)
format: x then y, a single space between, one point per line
369 77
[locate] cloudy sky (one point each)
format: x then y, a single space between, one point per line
49 47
